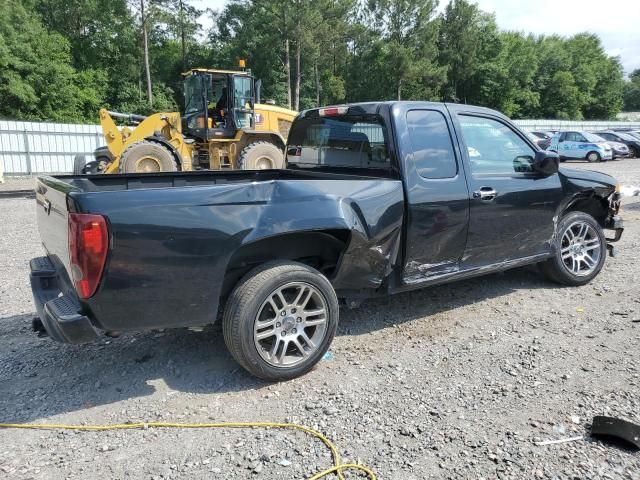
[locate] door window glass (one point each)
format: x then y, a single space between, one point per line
431 141
494 148
242 100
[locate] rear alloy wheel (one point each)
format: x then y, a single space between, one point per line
593 157
147 157
280 320
580 250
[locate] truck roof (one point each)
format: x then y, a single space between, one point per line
374 107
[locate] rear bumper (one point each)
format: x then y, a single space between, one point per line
59 312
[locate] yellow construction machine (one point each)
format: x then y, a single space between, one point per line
224 126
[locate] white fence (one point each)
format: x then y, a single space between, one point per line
571 125
34 147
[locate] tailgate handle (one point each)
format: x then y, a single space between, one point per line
47 206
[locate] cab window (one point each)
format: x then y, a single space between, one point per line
432 147
494 148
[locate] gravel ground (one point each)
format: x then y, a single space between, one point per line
16 183
456 381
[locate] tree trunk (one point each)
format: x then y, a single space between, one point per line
399 89
146 54
182 38
287 68
298 76
317 73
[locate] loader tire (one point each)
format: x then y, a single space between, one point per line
261 156
79 161
147 157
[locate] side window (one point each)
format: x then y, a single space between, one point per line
580 138
572 137
494 148
432 147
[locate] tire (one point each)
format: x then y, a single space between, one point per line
261 156
635 153
249 314
79 161
558 269
91 168
593 157
147 157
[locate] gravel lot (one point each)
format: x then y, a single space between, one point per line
456 381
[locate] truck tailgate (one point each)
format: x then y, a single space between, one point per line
52 215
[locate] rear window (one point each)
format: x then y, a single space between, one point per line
339 141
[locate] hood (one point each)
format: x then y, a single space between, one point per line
617 145
589 176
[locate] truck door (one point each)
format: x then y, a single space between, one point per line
512 207
438 199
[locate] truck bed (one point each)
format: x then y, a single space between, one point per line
109 183
174 237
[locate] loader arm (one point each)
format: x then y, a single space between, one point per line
162 126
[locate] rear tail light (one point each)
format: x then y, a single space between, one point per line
332 111
88 245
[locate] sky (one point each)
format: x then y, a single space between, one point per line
616 22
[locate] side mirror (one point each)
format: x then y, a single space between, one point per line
546 163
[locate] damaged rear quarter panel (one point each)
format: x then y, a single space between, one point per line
370 209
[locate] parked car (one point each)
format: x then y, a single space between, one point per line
377 198
622 137
544 138
542 143
619 150
580 145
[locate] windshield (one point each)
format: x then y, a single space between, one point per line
626 136
338 141
592 137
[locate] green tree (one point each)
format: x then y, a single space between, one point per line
632 92
37 80
468 42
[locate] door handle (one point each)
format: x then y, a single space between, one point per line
485 194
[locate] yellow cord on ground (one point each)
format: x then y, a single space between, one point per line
337 466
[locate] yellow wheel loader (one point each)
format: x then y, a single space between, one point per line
224 126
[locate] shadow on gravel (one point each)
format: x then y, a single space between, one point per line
405 307
40 378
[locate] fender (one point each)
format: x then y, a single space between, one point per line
165 143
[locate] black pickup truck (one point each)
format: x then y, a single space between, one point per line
377 198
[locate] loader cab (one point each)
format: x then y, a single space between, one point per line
218 103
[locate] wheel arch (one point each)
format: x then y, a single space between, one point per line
594 205
165 143
252 136
320 249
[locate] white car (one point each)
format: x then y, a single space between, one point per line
579 145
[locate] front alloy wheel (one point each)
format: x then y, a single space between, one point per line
580 250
